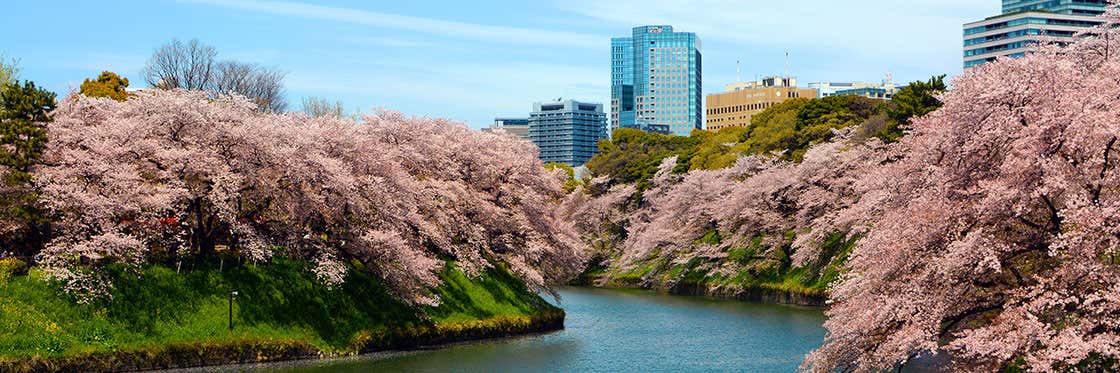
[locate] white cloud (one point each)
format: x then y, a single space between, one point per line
461 30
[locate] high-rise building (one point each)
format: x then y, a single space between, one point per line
1079 7
743 101
567 131
514 126
655 81
1015 32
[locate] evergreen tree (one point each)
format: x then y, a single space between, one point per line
24 111
915 100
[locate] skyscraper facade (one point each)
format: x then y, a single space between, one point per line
656 81
1079 7
1015 32
567 131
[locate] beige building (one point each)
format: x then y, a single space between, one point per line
742 101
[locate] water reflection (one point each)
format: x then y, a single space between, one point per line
621 330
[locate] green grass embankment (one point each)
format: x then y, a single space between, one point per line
748 273
158 318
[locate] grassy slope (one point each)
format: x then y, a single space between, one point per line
748 271
278 302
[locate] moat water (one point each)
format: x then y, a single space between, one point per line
622 331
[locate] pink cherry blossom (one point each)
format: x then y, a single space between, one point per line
994 235
173 175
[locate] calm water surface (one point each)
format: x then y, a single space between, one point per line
622 330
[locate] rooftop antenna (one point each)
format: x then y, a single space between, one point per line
787 68
738 76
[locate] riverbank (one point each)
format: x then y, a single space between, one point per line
161 319
755 293
674 334
744 274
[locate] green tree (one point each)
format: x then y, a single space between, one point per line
9 71
24 111
793 126
633 155
915 100
718 149
108 84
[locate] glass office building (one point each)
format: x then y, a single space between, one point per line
1079 7
1015 32
655 81
567 131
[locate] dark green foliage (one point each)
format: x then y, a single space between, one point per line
632 156
24 112
914 100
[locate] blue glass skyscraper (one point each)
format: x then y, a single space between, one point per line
656 81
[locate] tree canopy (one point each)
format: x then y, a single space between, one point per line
914 100
24 112
193 65
9 70
991 243
785 130
168 176
108 84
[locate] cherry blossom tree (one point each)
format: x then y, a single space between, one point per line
172 176
759 197
993 240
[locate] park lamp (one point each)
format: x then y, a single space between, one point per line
232 296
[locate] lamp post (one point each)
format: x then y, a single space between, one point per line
232 295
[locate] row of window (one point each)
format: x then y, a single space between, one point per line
979 62
738 108
998 48
1030 21
1018 33
1094 7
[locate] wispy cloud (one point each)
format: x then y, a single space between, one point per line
889 29
450 29
392 42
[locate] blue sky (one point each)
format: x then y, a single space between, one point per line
474 60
